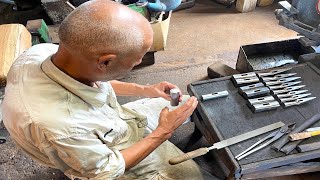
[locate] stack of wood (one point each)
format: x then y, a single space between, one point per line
14 40
249 5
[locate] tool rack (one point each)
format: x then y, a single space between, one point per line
223 118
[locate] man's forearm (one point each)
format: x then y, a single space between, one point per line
137 152
127 89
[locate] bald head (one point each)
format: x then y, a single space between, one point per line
102 26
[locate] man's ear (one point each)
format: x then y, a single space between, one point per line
104 60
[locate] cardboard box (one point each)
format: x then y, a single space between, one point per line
160 27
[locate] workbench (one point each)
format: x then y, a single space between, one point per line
223 118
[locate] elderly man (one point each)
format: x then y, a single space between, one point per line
61 107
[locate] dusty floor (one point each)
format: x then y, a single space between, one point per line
198 37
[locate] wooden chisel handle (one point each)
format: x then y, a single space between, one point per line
189 155
303 135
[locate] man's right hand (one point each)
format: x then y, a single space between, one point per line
169 121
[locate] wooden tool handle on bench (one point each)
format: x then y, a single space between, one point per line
303 135
189 155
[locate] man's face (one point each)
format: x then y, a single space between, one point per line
122 66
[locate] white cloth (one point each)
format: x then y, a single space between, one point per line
79 129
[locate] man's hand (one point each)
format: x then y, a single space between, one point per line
161 89
170 121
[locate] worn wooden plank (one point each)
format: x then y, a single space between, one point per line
246 5
297 168
14 39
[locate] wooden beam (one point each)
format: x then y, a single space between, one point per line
14 39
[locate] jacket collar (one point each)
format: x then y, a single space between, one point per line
95 96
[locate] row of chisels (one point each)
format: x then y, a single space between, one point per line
268 90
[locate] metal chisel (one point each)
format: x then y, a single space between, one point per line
277 77
244 75
273 72
289 94
287 89
284 85
225 143
261 100
294 97
281 81
298 102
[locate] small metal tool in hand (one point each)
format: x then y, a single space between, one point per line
175 95
273 137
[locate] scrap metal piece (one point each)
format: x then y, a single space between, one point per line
214 95
261 100
289 94
245 81
265 106
294 97
244 75
278 76
252 86
273 72
284 85
287 89
297 102
281 81
252 93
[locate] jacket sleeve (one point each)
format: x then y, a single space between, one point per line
87 156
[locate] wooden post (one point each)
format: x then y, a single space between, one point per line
246 5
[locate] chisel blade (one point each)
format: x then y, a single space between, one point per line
284 85
277 77
273 72
288 89
280 81
289 94
294 97
298 102
246 136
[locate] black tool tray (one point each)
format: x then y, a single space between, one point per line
254 57
227 117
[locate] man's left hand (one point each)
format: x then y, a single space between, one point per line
161 89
